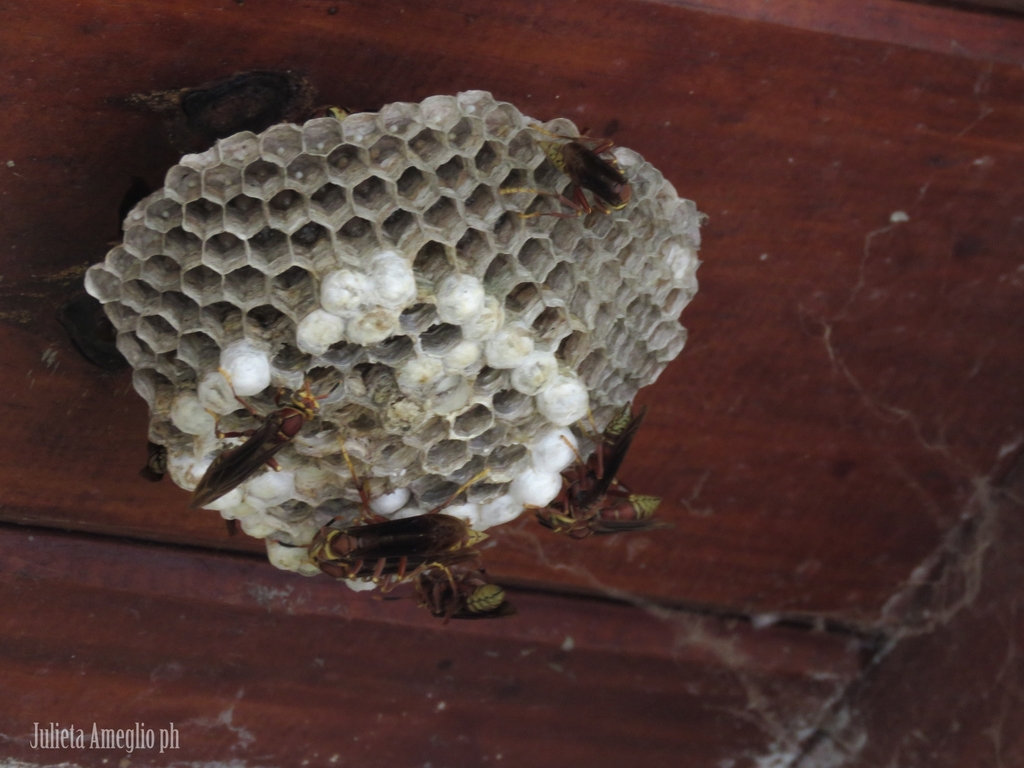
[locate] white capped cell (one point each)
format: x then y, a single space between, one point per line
238 511
410 511
554 451
486 323
463 355
343 292
394 284
450 394
371 326
503 509
289 558
227 502
534 373
247 366
310 479
459 298
564 402
259 525
389 503
418 375
185 470
271 487
318 331
214 394
538 489
188 414
469 512
509 347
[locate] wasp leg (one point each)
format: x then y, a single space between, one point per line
378 571
475 479
599 146
579 205
221 435
354 569
245 405
573 449
366 514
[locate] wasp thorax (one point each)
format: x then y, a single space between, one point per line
380 251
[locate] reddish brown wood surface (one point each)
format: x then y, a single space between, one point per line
948 692
254 665
850 379
948 30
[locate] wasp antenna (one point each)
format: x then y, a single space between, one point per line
364 496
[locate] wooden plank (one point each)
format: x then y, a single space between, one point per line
853 375
254 665
942 27
947 692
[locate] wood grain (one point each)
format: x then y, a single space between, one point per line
853 376
254 665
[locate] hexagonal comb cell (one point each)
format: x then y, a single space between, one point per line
263 179
306 173
455 176
346 164
222 183
371 195
357 235
328 205
442 215
473 422
399 226
387 154
202 284
268 251
414 188
224 252
245 287
428 146
287 210
380 257
203 218
488 159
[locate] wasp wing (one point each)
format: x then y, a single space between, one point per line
424 536
236 465
591 171
616 454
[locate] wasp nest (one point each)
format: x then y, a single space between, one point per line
377 258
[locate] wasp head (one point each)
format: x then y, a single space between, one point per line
302 400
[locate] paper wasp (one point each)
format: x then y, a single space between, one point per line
234 466
338 113
389 552
580 159
392 551
156 463
466 595
592 500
